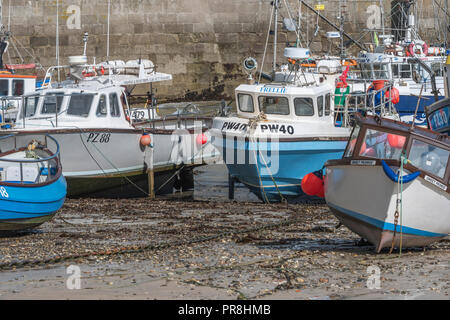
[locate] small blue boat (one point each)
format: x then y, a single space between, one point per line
32 187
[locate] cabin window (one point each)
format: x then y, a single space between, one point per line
30 106
114 105
4 88
395 72
381 71
429 158
52 103
274 105
382 145
352 142
366 71
18 87
80 105
102 110
405 71
320 105
304 107
328 104
246 103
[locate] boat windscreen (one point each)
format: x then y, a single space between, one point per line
429 158
80 105
382 145
274 105
352 142
30 106
52 103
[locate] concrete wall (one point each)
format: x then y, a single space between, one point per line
201 42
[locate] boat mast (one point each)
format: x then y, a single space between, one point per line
107 37
57 38
383 28
275 38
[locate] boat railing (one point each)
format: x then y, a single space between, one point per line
374 101
5 103
177 121
45 167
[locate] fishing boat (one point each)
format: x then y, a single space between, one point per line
391 187
104 152
290 126
12 85
32 186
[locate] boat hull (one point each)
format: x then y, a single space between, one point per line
28 206
273 171
407 106
364 199
113 163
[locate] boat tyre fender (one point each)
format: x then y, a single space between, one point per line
395 177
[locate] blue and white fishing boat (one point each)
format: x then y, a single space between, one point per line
32 187
391 187
283 129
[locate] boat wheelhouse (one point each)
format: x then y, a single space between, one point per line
391 187
103 151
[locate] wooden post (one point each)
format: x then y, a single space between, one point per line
231 182
150 171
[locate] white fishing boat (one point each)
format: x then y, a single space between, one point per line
391 187
286 128
103 151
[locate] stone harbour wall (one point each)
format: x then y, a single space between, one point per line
201 42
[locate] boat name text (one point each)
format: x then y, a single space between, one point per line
363 162
3 192
436 183
272 90
98 137
273 128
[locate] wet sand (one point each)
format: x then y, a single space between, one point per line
292 252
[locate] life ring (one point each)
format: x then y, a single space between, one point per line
418 45
395 177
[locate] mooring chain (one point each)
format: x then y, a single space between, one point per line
396 216
139 249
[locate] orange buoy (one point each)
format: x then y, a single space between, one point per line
378 84
146 140
312 185
202 139
396 141
395 95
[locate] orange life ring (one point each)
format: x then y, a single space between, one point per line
350 63
309 65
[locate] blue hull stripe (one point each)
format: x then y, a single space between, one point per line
28 202
385 226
